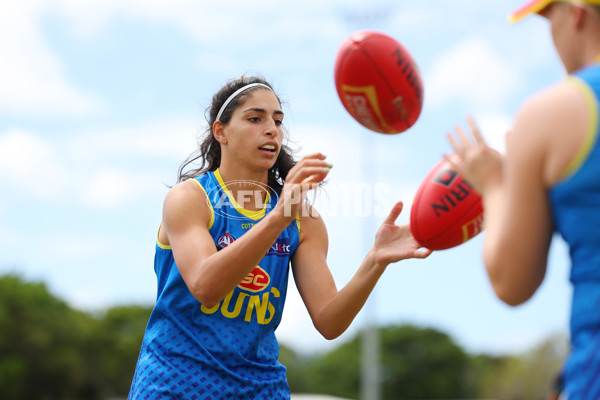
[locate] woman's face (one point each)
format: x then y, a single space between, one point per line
563 28
254 134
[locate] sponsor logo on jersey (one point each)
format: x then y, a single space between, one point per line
281 247
225 240
252 307
255 281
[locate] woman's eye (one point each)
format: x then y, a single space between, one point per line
278 122
253 119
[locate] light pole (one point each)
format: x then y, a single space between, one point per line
369 357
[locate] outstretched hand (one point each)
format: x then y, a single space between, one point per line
396 242
476 161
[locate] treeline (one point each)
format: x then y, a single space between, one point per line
50 351
424 363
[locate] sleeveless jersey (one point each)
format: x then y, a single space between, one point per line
575 203
228 351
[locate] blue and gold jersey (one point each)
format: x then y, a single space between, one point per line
575 203
228 351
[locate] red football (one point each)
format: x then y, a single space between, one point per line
446 210
378 82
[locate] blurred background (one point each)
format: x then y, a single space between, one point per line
100 102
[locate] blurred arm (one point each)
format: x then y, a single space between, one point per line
547 133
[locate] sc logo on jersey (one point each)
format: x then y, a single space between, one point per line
225 240
256 281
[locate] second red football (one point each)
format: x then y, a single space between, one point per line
446 210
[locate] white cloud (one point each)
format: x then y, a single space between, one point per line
74 246
31 163
205 21
171 138
87 163
88 298
494 128
32 79
473 72
110 187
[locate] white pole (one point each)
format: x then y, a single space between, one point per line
369 382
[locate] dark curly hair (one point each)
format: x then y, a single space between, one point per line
207 157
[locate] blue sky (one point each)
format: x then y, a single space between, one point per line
101 100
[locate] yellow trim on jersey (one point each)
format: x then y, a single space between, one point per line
162 246
212 211
210 223
592 130
298 223
255 215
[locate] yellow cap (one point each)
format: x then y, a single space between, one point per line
535 6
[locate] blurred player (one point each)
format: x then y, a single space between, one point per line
549 181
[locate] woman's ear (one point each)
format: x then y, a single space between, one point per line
219 132
579 15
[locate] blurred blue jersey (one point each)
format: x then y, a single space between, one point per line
575 203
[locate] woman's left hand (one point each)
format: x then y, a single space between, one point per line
396 242
478 163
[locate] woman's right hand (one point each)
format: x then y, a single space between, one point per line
304 176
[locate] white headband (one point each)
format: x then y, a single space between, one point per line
240 90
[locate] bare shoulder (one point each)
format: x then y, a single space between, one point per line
552 125
187 194
185 203
555 108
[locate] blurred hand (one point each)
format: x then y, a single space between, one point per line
478 163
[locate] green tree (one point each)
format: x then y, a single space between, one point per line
114 345
526 376
422 363
295 365
337 372
41 343
416 363
49 351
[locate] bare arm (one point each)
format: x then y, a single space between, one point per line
517 211
332 311
211 275
519 223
